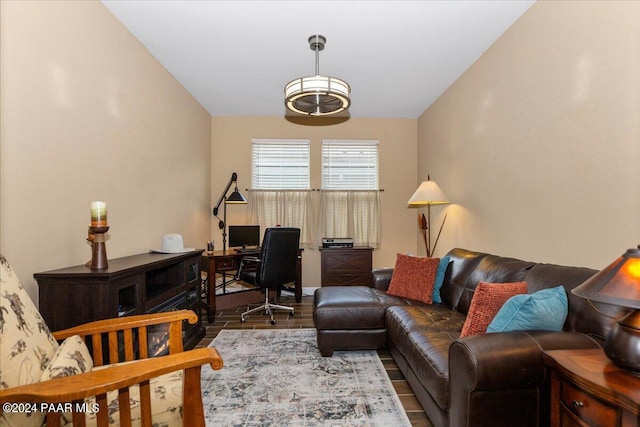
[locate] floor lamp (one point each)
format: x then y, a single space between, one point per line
235 198
427 194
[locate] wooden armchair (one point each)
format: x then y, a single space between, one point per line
114 382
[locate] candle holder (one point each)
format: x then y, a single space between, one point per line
98 248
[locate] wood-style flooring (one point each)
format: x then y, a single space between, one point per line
303 318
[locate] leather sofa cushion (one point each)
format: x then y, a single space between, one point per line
422 334
463 262
428 356
422 317
492 269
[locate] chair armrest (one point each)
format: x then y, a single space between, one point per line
382 278
81 386
247 264
127 322
77 388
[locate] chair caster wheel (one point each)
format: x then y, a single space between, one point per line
273 322
242 320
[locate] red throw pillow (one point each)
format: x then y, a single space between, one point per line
485 304
413 277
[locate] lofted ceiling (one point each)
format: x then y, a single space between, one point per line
235 57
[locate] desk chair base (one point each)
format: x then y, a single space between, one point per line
268 307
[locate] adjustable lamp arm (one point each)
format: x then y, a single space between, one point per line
234 178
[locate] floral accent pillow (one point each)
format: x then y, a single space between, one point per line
72 358
487 300
27 344
414 277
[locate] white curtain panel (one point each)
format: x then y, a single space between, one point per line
351 213
288 208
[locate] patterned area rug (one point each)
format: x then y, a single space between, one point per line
277 377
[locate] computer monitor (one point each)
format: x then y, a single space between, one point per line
244 235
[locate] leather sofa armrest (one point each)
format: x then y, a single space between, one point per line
501 362
382 278
507 360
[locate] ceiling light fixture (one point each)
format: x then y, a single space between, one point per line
317 95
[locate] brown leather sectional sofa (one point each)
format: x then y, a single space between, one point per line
495 379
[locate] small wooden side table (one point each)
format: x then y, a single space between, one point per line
587 389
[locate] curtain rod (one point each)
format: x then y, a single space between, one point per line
311 189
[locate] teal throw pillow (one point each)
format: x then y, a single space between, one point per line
544 310
442 269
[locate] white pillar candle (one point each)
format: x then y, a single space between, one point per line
98 214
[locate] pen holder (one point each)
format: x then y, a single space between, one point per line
99 249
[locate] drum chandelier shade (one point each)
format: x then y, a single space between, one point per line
317 95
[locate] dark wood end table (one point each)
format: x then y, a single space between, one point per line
587 389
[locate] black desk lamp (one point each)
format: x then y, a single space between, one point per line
234 198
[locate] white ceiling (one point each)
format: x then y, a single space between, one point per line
235 57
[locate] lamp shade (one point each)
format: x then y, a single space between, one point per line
428 193
617 284
236 198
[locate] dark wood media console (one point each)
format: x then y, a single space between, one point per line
138 284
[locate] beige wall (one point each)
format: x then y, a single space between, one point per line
538 143
88 114
231 152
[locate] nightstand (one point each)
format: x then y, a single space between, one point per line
587 389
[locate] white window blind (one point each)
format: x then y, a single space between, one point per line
350 196
280 164
349 164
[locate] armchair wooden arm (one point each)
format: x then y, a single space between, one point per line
129 327
76 388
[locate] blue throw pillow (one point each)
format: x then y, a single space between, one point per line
544 310
442 269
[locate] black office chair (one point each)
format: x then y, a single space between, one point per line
276 266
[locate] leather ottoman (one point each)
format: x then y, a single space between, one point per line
351 318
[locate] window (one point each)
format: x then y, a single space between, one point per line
281 193
349 164
280 164
350 196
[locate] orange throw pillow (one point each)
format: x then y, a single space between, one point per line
485 304
413 278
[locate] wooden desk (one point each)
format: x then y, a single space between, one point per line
588 389
218 262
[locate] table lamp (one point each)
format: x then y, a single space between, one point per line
427 194
619 284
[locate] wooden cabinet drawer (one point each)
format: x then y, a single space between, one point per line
587 408
345 261
226 264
